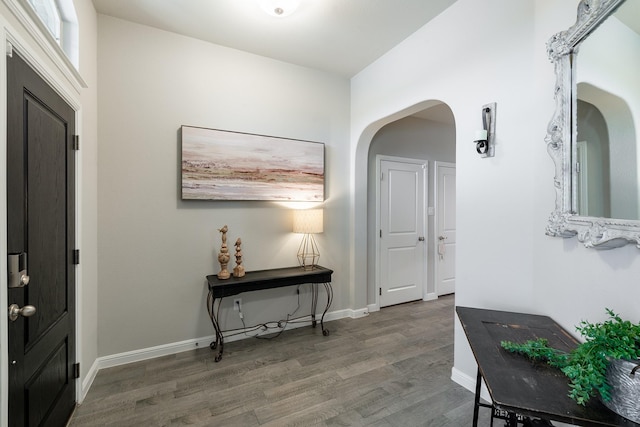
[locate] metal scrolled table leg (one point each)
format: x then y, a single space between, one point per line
213 314
314 303
329 290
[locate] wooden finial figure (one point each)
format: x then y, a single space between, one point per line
238 270
223 256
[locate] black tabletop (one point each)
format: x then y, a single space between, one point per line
267 279
517 384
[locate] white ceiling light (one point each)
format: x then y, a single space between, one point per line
279 8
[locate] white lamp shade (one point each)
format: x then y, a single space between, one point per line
308 221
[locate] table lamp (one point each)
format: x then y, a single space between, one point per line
308 222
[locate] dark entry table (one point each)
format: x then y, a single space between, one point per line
518 387
266 279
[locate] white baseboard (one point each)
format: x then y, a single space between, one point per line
469 383
463 379
358 313
373 308
178 347
153 352
87 381
430 296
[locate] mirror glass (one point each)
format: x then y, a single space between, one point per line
605 155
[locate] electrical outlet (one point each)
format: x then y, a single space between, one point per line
237 304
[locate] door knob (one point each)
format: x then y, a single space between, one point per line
15 311
421 239
441 238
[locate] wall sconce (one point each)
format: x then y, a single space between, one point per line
308 222
485 138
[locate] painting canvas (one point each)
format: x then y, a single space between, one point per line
224 165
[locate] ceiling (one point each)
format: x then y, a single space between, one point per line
337 36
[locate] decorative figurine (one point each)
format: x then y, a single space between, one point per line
223 256
238 270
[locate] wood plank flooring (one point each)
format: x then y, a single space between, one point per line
391 368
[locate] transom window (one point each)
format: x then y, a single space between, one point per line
60 19
47 10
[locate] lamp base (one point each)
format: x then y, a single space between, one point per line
308 253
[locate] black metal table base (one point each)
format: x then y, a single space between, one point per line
314 305
213 314
266 279
477 404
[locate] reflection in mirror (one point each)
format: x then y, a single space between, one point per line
592 156
608 105
591 137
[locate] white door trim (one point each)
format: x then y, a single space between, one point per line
379 159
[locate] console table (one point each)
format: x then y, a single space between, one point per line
521 388
266 279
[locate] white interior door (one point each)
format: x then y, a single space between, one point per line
402 257
445 259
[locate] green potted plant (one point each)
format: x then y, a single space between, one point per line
588 366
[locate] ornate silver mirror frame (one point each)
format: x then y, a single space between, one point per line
594 232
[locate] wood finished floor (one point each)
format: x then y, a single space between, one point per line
392 368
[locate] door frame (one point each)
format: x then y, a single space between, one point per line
434 238
67 84
379 159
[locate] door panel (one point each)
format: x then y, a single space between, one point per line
446 229
41 223
45 217
402 255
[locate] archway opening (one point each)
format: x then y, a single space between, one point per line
423 131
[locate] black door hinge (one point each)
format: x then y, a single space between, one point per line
76 256
75 145
380 293
76 370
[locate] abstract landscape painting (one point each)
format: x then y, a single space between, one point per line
224 165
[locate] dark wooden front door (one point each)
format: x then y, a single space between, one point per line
41 224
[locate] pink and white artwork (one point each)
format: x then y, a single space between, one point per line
224 165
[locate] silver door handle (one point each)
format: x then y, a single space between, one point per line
442 238
15 311
420 239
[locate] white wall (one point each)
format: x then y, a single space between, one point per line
155 250
467 69
571 282
504 259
